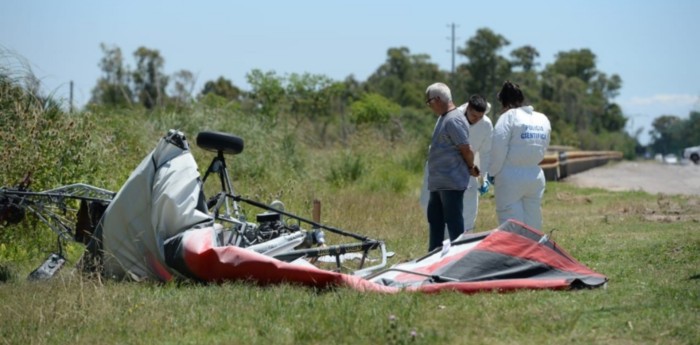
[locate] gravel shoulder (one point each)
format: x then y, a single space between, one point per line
649 176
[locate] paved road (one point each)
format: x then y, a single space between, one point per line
650 176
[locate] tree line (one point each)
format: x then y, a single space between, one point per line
671 134
578 98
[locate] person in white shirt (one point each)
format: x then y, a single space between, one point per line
480 130
520 139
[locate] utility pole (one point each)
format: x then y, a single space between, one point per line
453 50
70 99
452 53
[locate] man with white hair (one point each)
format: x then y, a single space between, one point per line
480 131
450 164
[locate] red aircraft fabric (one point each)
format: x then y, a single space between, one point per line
204 260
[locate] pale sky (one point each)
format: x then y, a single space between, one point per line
652 45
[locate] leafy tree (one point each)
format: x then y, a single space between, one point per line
570 93
524 57
403 77
221 87
607 87
306 95
373 108
611 120
183 85
671 134
691 130
575 64
310 98
267 93
149 80
487 69
112 87
458 82
585 94
376 110
350 91
666 134
609 114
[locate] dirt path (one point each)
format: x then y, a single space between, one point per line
649 176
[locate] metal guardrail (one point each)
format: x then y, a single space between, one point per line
560 164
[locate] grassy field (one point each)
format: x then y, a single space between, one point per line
648 246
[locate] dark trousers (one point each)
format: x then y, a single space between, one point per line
444 207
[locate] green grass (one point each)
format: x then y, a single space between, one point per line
652 297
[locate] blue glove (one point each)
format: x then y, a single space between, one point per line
484 187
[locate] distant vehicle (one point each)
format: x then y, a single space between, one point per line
670 159
692 153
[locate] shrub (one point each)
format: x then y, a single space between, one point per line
346 169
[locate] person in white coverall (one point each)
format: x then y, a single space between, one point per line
480 130
520 139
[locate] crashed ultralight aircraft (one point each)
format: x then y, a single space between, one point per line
159 226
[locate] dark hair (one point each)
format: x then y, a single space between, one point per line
478 103
511 95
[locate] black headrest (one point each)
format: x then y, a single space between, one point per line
218 141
